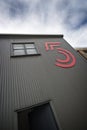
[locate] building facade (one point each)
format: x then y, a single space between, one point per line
43 84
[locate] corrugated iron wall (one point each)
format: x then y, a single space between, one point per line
25 81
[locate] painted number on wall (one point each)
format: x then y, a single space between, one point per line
69 60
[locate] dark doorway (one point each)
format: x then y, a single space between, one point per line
37 118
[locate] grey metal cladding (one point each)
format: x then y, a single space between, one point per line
25 81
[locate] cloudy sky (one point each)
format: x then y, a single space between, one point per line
67 17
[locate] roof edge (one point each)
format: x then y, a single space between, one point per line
32 35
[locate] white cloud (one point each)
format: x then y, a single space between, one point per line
47 17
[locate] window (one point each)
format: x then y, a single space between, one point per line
37 118
24 49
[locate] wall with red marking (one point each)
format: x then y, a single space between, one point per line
58 74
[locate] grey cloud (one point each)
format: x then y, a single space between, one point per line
50 16
14 8
74 13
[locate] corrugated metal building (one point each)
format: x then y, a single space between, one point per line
82 51
43 84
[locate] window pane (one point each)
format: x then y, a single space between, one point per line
18 46
29 46
42 118
19 52
37 118
31 51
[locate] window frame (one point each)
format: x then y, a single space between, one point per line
25 49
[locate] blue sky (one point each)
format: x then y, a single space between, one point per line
46 17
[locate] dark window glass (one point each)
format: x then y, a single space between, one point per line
37 118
